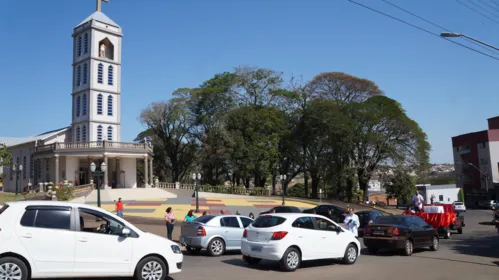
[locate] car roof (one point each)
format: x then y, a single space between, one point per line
26 203
292 215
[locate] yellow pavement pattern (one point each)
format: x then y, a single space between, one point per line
180 210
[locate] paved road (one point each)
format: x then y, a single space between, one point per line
474 254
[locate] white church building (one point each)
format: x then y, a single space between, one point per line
94 133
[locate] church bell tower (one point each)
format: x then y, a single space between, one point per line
96 79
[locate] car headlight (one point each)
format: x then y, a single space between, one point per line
176 249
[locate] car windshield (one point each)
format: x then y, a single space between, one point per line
390 220
204 219
268 221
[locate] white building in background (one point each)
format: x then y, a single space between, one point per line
94 133
445 194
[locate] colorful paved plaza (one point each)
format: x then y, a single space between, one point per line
155 208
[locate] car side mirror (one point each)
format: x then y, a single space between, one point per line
126 232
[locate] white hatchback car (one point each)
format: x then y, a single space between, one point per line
294 237
459 206
47 239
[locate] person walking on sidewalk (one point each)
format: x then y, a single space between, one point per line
119 207
170 222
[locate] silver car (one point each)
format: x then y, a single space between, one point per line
216 233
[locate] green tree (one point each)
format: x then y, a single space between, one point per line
384 134
5 155
401 185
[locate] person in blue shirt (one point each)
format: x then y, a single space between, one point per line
190 216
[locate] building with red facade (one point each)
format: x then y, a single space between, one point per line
476 162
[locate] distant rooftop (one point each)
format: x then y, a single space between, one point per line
14 141
99 16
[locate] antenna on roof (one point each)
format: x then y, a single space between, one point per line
99 3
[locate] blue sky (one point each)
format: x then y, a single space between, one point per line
447 89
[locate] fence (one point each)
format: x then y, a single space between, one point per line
216 189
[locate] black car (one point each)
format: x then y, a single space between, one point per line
282 209
400 232
367 217
333 212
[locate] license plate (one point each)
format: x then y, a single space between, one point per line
256 249
379 233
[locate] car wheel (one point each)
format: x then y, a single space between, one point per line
435 244
290 260
193 250
372 250
151 268
351 254
460 230
216 247
251 261
13 268
408 248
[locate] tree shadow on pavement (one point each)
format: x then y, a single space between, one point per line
274 266
485 246
204 253
486 223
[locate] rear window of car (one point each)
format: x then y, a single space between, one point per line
204 219
390 220
458 203
268 221
4 207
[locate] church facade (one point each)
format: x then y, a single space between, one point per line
94 133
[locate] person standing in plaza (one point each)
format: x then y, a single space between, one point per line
170 222
119 207
190 216
417 200
352 222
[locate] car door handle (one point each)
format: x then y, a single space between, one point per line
226 231
323 237
83 240
27 235
300 236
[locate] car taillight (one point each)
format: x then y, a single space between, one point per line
245 234
201 231
367 230
278 235
393 231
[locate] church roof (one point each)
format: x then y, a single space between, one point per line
99 16
13 141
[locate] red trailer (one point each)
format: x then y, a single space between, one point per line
442 222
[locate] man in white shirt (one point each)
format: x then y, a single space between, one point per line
418 200
352 222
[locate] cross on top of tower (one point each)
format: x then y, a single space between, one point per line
99 3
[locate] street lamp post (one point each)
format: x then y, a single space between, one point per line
455 35
484 175
98 174
17 170
196 177
282 178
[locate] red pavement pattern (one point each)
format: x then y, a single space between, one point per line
215 203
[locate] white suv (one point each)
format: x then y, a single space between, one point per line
47 239
291 238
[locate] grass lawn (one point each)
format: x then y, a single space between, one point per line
6 197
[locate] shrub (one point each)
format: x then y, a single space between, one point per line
64 193
298 190
258 191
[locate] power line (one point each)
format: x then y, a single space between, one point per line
482 8
494 2
421 29
489 5
474 10
436 25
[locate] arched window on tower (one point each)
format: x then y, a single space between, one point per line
79 45
78 76
99 104
78 106
84 104
109 133
84 133
100 73
85 49
77 134
99 133
85 72
110 75
110 105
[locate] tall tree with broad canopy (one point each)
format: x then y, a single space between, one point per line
401 185
384 134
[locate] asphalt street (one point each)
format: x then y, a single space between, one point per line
472 255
